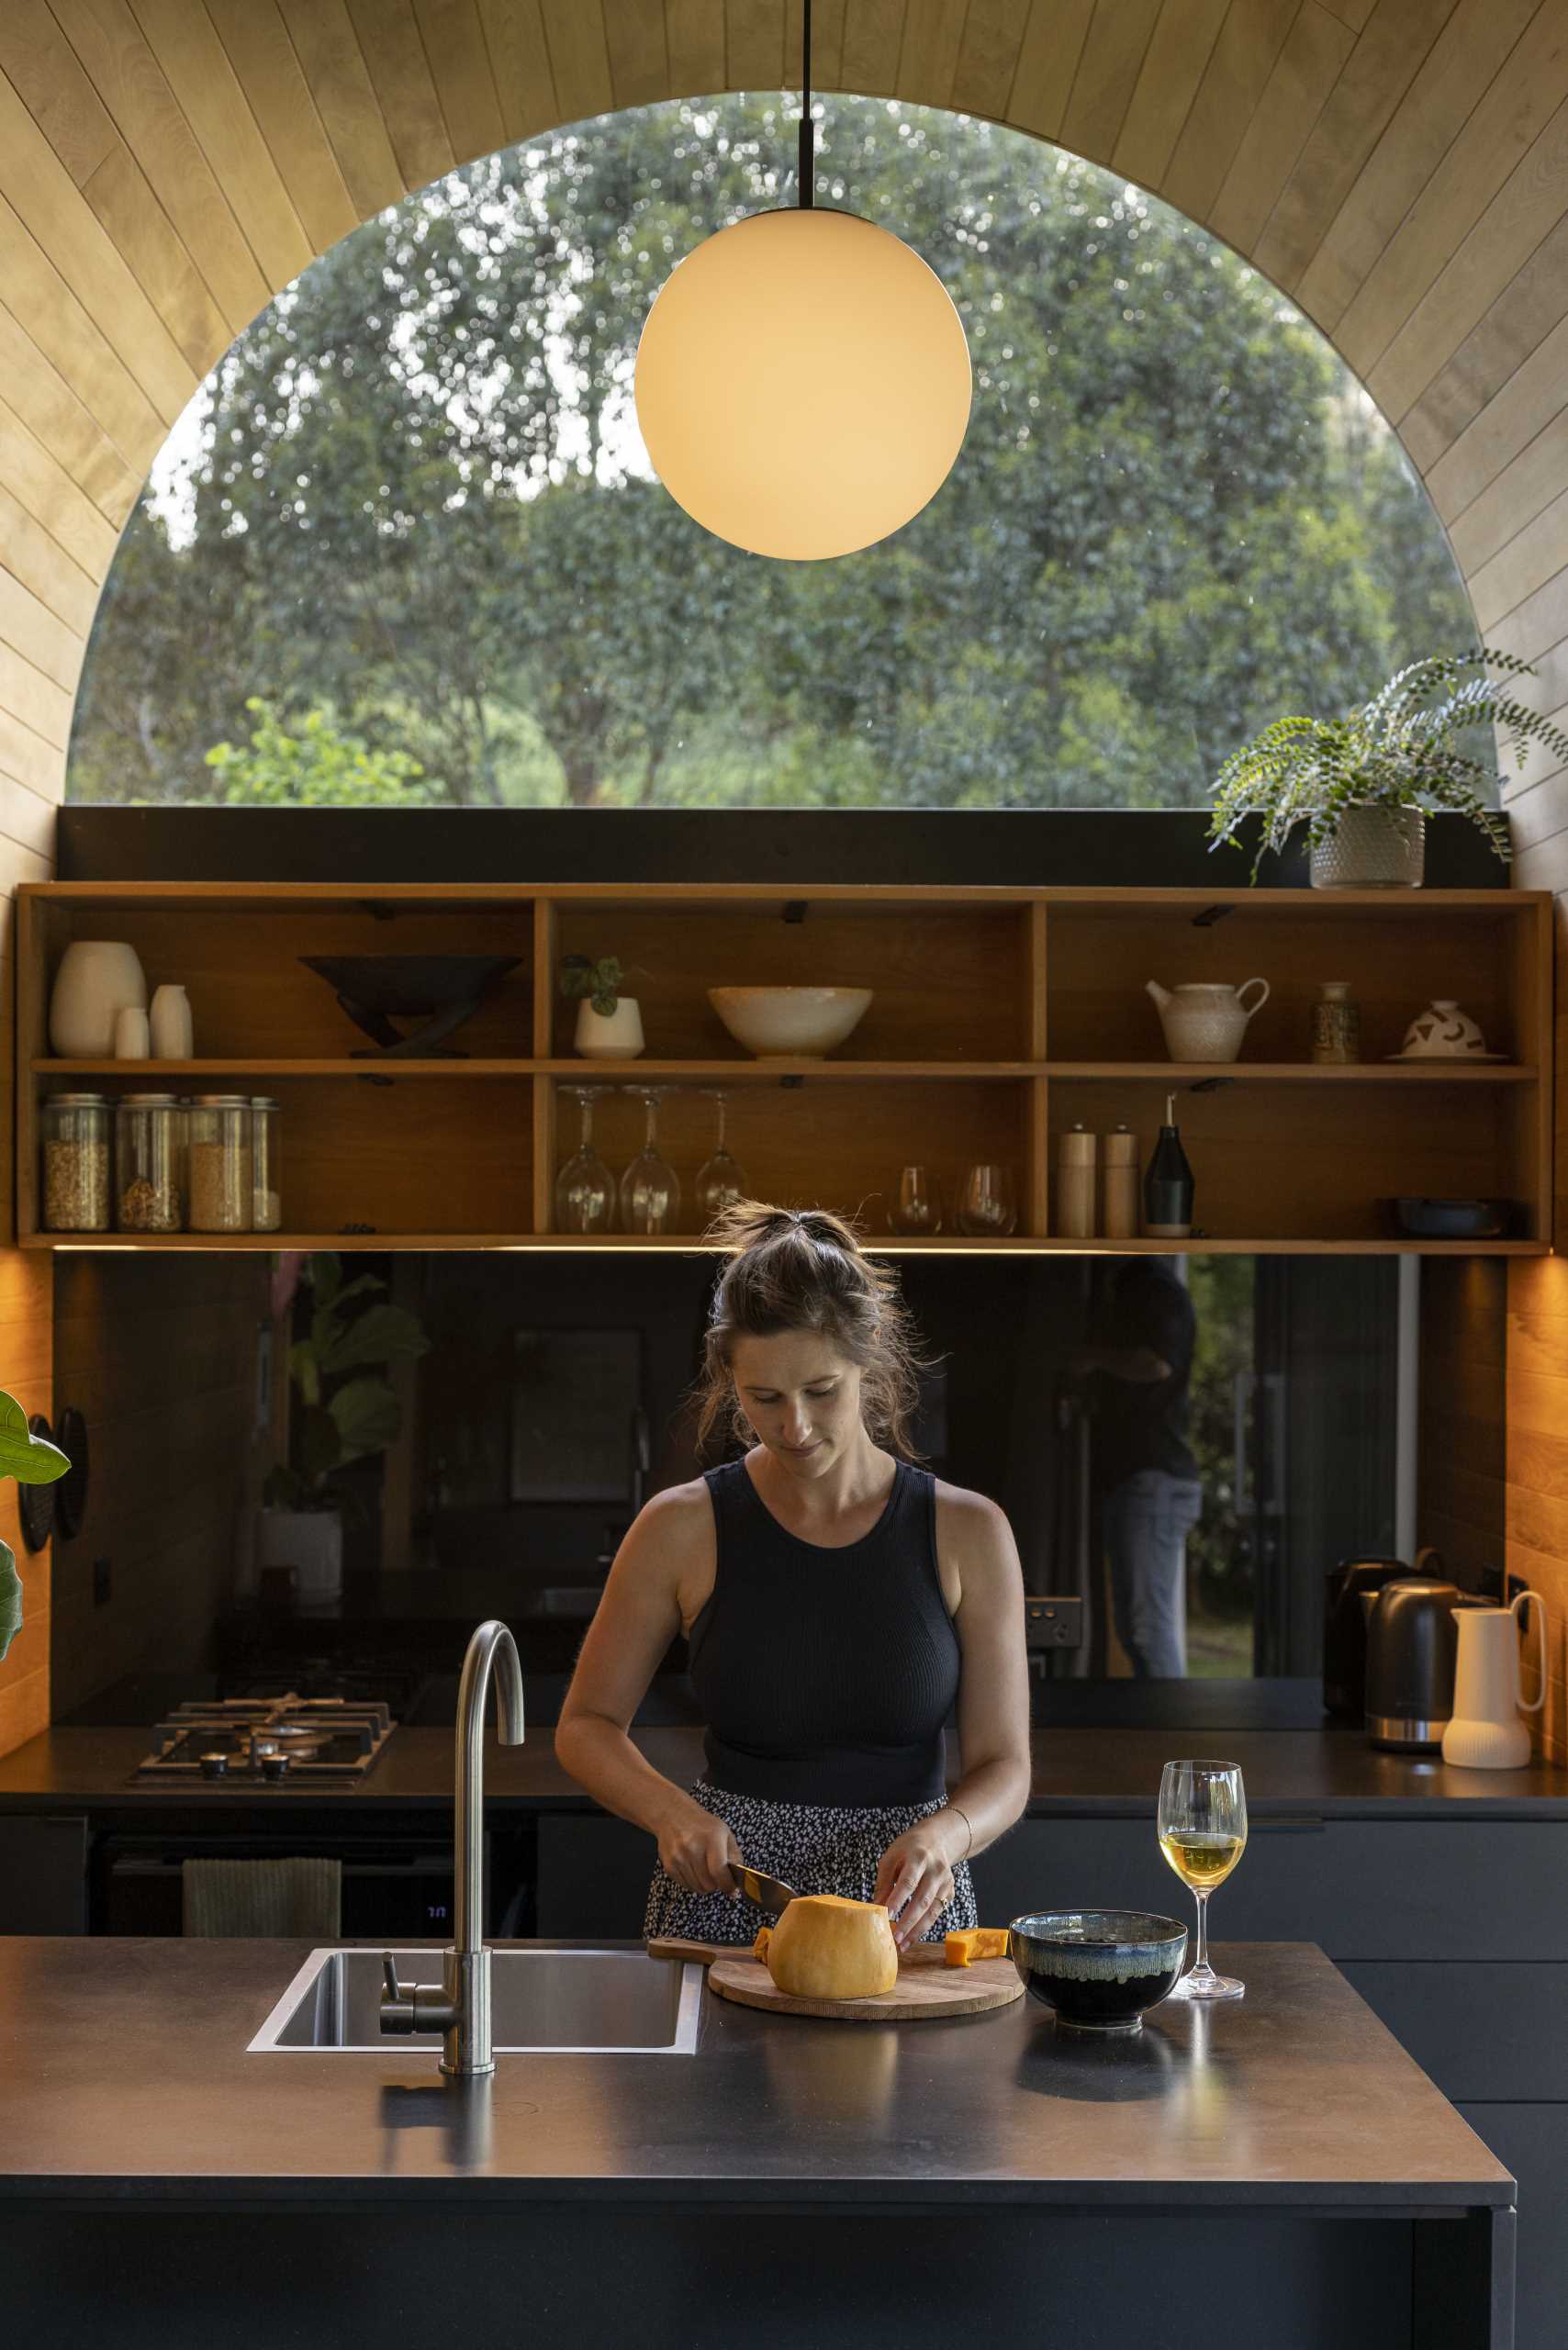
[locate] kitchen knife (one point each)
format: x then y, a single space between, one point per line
769 1892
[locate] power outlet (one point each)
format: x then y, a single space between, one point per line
103 1582
1053 1624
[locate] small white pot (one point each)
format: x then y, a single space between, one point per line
308 1540
617 1037
96 978
1373 849
170 1024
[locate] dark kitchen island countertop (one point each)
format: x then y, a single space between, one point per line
1232 2146
1111 1772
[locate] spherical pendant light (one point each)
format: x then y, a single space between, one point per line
802 380
802 383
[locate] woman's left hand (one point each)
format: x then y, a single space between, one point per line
914 1880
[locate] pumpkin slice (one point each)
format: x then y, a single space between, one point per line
759 1947
826 1948
972 1943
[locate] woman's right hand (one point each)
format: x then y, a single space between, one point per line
697 1850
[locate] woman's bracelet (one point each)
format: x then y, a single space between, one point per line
968 1828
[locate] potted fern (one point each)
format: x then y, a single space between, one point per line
1364 785
32 1461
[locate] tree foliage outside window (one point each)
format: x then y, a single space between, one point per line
420 529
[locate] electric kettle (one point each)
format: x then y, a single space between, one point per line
1487 1733
1412 1643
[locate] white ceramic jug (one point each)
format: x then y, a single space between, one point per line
1203 1021
1486 1734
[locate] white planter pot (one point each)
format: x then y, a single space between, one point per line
1373 849
618 1037
96 978
308 1540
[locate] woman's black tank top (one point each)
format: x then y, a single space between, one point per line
825 1675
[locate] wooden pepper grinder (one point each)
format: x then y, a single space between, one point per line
1121 1184
1077 1152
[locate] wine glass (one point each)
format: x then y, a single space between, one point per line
721 1180
1203 1834
919 1205
585 1188
987 1207
650 1188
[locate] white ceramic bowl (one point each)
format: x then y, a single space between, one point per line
789 1023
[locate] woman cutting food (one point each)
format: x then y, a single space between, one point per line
837 1603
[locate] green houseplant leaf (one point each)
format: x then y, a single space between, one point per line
366 1416
382 1334
11 1599
31 1459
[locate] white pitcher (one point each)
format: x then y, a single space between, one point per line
1203 1021
1486 1734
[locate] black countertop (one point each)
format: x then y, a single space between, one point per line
1115 1774
125 2074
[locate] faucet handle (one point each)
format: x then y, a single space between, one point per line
398 2012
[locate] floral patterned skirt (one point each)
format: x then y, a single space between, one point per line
817 1847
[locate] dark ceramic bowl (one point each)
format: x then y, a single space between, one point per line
410 984
1100 1969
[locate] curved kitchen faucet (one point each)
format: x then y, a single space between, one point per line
459 2005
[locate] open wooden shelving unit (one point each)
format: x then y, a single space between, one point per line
1000 1018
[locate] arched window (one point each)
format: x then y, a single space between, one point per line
404 547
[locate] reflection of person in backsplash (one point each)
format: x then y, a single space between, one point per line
1144 1475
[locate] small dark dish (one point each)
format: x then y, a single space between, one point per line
441 990
1435 1219
1100 1969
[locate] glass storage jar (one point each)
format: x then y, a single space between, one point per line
75 1162
149 1164
266 1199
219 1162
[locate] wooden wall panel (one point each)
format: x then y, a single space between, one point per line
1400 165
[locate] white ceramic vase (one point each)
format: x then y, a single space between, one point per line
610 1037
308 1540
170 1024
97 979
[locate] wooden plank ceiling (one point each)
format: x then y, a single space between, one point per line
1399 166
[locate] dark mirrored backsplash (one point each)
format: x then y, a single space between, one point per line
1185 1448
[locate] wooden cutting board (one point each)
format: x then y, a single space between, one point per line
923 1992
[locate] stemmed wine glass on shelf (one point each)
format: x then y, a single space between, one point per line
585 1188
721 1180
1203 1834
650 1188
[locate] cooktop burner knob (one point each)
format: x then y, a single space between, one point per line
274 1766
214 1766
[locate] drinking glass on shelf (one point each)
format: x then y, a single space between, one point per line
1203 1834
585 1188
650 1188
721 1180
919 1207
987 1209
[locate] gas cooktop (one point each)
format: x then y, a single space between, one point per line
267 1742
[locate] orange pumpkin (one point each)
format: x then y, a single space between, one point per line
972 1943
826 1948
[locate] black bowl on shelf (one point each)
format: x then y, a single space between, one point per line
442 990
1101 1970
1424 1218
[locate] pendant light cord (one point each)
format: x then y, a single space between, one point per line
807 193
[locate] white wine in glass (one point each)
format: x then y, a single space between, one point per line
1203 1834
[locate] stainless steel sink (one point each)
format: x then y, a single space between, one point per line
571 1600
545 1997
